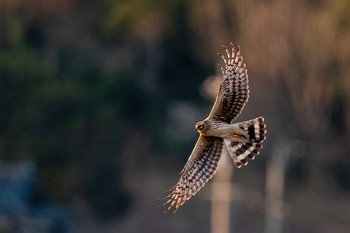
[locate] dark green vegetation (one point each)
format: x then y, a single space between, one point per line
88 89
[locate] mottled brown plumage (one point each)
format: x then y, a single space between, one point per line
243 140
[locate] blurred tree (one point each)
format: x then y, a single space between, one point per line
78 77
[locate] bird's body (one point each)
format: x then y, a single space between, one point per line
215 128
243 140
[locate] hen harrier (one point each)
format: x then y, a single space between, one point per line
243 140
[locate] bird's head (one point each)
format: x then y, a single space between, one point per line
200 126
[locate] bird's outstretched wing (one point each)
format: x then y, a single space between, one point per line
199 169
234 89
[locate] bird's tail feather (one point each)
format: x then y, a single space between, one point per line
240 152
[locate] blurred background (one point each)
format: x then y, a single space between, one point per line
99 99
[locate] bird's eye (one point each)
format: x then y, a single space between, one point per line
201 127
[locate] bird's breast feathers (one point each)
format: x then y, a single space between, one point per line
221 129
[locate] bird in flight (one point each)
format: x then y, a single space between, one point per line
243 140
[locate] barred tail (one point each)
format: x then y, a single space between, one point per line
240 152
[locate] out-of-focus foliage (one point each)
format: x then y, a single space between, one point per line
103 94
62 117
146 19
